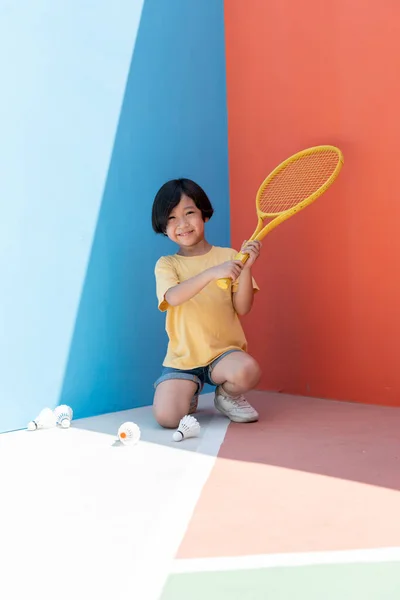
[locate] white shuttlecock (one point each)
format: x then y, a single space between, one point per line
188 427
129 433
63 415
45 420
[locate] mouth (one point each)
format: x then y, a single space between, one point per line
185 234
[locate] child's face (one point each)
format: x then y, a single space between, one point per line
185 223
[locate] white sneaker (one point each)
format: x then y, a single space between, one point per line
236 409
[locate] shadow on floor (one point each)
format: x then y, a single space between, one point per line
356 442
213 427
337 439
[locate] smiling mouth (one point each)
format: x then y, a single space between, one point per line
185 234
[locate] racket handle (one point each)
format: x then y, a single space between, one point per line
226 282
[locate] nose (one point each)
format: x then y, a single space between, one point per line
182 221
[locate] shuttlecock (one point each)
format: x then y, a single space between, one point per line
129 433
63 415
188 427
45 420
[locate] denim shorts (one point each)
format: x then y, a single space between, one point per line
200 375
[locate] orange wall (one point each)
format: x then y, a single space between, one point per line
327 320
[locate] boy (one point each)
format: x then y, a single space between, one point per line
206 340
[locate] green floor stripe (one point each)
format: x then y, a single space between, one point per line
376 581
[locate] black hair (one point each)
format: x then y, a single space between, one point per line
169 196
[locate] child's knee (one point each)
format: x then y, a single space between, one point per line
165 417
172 401
248 374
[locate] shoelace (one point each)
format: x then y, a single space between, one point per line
240 402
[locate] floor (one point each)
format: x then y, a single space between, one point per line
302 504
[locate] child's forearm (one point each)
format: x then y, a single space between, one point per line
243 298
187 289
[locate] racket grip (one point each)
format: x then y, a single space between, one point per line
224 283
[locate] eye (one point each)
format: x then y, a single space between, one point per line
172 217
190 212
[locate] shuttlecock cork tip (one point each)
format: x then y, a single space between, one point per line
178 436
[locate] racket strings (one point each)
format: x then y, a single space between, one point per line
297 181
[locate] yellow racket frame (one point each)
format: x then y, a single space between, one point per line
262 230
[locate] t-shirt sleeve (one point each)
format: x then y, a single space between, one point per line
166 277
235 284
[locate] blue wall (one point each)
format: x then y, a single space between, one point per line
100 105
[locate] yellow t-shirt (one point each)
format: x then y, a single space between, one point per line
207 325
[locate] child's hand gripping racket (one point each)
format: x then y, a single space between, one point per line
292 185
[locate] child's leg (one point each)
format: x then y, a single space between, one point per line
235 374
172 401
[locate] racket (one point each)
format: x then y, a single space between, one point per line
290 187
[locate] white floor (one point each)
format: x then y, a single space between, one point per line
84 517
